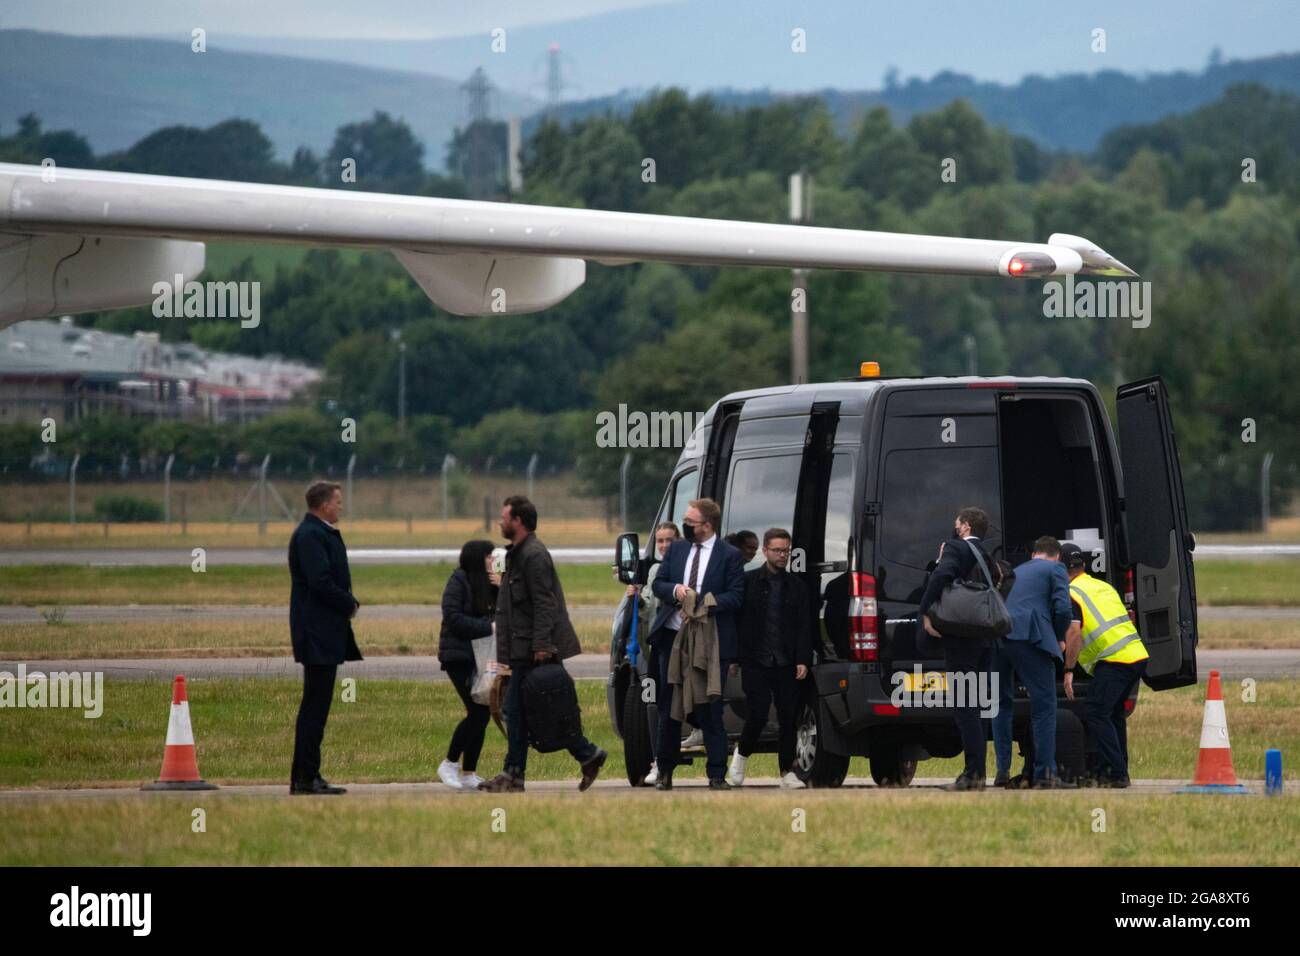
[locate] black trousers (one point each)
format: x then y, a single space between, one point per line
580 748
467 738
317 693
963 655
1111 685
762 685
708 717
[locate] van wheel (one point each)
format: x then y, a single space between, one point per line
636 736
812 764
889 768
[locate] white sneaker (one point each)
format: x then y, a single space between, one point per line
653 776
736 775
792 782
471 781
449 773
693 740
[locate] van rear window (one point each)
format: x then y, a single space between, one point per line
762 494
923 490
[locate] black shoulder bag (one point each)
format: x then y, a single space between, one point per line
971 609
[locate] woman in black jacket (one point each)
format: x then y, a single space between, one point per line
468 604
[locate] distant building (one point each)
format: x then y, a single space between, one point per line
61 371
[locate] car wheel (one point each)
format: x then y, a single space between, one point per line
812 764
637 754
889 768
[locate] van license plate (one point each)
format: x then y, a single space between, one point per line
930 680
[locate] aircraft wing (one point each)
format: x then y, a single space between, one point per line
82 240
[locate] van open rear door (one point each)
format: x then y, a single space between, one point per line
1159 544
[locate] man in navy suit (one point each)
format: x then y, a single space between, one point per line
1039 605
704 563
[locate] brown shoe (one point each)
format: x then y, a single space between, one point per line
503 783
591 768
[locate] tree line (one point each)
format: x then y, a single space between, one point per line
1206 206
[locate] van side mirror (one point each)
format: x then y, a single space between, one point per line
627 558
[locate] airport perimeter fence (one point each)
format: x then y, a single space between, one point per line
266 490
1221 496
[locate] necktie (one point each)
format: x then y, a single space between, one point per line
695 570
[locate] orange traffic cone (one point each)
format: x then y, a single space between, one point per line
1214 773
180 768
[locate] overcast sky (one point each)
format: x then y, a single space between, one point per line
386 19
610 45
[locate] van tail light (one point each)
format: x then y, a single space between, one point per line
1129 705
1129 601
864 618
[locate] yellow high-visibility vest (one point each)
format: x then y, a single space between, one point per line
1108 633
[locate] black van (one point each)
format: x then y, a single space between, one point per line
868 473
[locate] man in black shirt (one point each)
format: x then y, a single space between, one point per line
775 652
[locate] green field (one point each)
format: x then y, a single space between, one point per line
397 731
207 636
257 585
843 828
214 635
1261 583
1275 583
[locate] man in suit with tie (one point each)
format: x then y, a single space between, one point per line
1039 605
703 563
963 655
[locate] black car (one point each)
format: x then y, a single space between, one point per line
868 473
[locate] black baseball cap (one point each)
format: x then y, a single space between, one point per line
1072 555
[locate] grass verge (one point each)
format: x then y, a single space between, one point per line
732 829
245 584
398 731
211 636
1256 583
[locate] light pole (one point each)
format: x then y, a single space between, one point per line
1263 491
401 381
800 212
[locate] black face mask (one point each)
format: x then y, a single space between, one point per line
956 534
688 531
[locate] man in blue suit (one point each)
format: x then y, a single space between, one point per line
1039 605
704 563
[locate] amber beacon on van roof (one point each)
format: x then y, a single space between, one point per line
74 240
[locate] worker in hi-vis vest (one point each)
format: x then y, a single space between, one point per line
1103 640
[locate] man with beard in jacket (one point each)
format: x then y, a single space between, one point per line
533 628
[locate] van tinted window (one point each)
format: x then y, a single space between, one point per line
839 509
762 494
766 432
683 493
924 488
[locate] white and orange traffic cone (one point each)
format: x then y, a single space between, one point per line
1214 773
180 767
